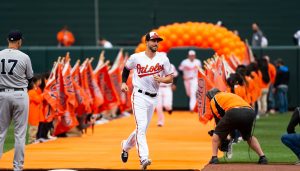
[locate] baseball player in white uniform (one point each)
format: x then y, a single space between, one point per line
165 98
150 69
15 73
189 67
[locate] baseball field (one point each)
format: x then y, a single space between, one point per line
182 144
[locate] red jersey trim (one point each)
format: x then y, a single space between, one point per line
143 75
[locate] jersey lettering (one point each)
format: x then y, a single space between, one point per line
145 71
10 72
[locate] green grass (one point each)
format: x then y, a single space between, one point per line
268 130
9 142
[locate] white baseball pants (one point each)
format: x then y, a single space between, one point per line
191 86
165 99
143 107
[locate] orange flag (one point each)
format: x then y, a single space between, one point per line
64 123
94 89
68 85
51 95
82 98
127 106
54 93
85 84
75 72
203 104
62 97
219 75
116 78
106 86
227 67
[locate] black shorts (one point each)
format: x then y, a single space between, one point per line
237 118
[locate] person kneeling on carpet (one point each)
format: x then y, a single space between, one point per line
232 112
292 139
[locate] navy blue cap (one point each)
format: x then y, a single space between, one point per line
14 35
152 36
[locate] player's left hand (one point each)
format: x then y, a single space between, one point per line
157 78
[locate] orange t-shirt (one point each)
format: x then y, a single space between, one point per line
257 84
262 83
227 101
242 92
272 72
35 106
66 38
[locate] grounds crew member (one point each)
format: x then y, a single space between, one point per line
232 112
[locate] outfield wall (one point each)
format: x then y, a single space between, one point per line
43 58
124 22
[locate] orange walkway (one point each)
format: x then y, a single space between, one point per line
183 143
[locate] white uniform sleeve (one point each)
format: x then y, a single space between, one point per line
181 66
199 63
130 63
29 71
297 34
175 73
167 67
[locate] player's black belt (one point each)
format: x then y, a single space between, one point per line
15 89
147 93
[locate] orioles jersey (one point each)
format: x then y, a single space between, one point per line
145 68
189 68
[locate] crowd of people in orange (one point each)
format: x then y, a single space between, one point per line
70 99
260 83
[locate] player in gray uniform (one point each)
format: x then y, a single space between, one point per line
15 74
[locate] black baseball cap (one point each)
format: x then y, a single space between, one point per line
212 92
14 35
152 36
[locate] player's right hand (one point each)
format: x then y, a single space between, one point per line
124 87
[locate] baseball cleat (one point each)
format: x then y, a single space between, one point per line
145 163
124 154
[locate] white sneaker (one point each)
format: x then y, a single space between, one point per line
257 116
272 111
52 137
42 140
145 163
229 153
35 142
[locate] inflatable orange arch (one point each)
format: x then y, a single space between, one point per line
199 34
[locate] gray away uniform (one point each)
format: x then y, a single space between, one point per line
15 69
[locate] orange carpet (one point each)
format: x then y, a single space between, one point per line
183 143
